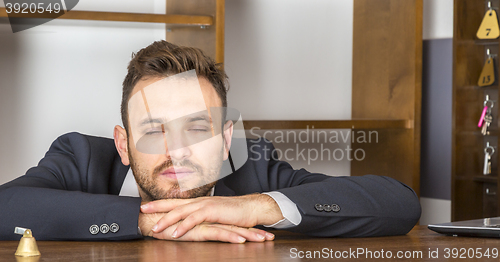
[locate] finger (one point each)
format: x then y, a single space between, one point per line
224 235
269 236
251 234
207 233
191 221
166 234
164 205
175 216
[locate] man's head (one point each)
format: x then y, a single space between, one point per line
162 59
158 103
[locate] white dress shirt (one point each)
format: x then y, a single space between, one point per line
288 209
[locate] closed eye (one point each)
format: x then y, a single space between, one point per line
154 132
198 129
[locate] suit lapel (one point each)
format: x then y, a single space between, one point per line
222 190
119 173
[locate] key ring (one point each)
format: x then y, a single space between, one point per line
489 54
490 8
491 102
489 147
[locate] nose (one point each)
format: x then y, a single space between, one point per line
177 148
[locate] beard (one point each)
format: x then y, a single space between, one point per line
148 181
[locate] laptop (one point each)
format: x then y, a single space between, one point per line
485 227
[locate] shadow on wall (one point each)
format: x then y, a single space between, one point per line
10 98
436 141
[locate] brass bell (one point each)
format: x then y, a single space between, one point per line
27 246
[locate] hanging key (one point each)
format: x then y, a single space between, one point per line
488 118
487 158
487 108
487 163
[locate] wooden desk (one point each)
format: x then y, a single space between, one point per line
418 242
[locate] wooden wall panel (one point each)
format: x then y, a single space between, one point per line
210 39
387 58
471 13
387 76
392 156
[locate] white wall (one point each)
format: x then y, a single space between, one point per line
292 59
438 19
65 76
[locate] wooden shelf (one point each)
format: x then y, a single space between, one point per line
193 20
493 133
478 41
329 124
476 87
486 179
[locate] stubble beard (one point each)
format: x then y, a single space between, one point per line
148 185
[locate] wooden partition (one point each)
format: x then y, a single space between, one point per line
386 84
209 38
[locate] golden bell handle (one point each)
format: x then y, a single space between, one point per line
27 245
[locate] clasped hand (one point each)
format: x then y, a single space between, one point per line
226 219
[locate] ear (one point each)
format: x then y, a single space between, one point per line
228 136
120 136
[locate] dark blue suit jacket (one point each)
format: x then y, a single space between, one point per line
77 183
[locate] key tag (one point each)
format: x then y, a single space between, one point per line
489 26
481 119
487 76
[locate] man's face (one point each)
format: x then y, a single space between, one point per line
175 143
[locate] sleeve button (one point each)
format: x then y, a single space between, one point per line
114 228
94 229
104 228
335 208
318 207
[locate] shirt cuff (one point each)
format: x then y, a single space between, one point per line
288 209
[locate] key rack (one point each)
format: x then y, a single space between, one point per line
474 195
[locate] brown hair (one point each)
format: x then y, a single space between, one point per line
162 59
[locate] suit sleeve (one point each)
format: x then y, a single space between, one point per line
364 205
55 201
